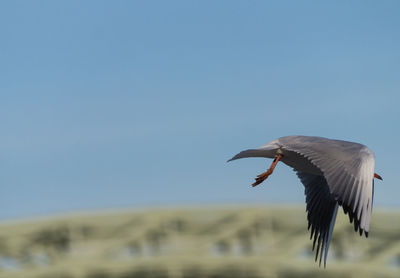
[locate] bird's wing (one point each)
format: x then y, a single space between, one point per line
322 209
348 169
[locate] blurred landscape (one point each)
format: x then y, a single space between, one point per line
194 242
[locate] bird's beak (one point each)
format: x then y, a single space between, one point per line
378 177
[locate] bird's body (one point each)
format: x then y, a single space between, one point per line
333 172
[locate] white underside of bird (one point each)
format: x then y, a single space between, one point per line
334 173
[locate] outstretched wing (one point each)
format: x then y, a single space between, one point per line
348 169
322 209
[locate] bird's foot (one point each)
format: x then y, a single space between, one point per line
262 177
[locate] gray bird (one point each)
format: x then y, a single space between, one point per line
334 173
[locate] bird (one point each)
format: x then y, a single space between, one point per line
334 173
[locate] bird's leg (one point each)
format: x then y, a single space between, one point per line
262 177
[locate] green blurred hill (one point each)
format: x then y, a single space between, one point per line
207 242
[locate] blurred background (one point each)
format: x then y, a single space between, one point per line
117 118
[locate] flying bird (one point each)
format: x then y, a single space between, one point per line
334 173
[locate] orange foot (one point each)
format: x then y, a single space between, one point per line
262 177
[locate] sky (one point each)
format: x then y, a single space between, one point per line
132 104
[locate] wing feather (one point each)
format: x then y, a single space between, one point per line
348 169
321 212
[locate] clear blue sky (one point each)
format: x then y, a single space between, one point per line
112 104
